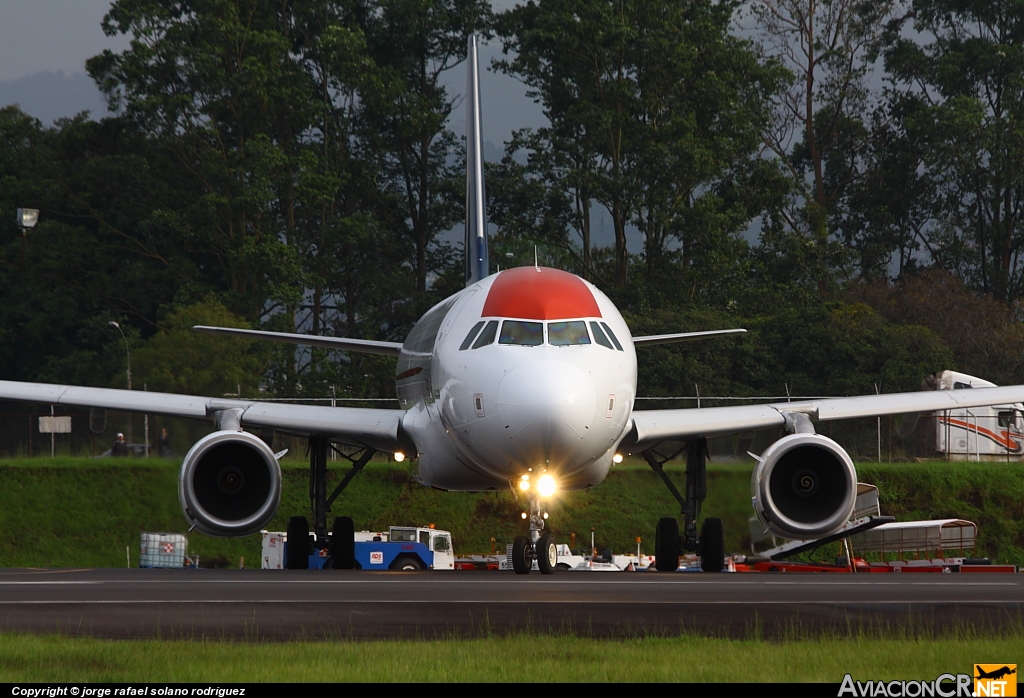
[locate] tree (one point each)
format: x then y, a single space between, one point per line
215 82
655 113
405 118
261 107
985 336
179 360
103 248
963 71
819 134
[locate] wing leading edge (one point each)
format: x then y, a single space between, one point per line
365 346
377 428
652 427
682 337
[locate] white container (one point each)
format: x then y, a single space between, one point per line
162 550
273 550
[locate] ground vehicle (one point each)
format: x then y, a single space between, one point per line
398 548
988 432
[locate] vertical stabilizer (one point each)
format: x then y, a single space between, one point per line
476 213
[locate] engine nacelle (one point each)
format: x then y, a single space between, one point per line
805 486
230 484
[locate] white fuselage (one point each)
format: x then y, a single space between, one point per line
529 370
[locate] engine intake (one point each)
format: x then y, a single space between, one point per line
804 486
230 484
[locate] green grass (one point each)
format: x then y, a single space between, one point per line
548 658
83 512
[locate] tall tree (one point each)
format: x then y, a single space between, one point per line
261 105
414 42
214 80
819 133
574 55
655 110
962 69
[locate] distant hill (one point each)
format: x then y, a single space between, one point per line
53 95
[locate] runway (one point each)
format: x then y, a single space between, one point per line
316 604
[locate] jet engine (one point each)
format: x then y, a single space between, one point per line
230 484
804 486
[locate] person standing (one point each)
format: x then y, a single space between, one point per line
120 447
163 444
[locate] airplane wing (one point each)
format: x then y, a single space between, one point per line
681 337
365 346
376 428
653 427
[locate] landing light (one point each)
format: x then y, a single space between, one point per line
617 458
546 485
523 514
524 485
399 456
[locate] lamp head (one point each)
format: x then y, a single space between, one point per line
28 217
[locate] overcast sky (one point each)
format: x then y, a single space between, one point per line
44 45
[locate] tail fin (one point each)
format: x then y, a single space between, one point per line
476 212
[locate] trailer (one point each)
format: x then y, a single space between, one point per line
976 433
398 548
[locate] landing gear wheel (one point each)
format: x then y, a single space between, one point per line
297 557
521 562
666 545
712 545
343 546
547 554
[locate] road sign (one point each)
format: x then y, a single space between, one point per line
55 425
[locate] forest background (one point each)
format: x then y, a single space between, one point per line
842 178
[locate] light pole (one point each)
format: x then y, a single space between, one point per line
128 353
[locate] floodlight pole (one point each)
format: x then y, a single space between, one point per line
128 354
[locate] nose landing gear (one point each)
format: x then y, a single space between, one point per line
538 546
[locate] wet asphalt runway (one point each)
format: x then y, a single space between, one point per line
316 604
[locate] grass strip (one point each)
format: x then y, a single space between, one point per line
549 658
85 512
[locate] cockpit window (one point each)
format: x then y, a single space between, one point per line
469 337
564 334
487 336
529 334
611 336
600 337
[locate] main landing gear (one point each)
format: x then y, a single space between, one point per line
668 543
339 545
538 546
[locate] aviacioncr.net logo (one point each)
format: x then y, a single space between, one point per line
944 686
995 680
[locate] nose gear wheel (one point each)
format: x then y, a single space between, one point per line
538 546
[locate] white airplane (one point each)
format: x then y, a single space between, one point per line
524 379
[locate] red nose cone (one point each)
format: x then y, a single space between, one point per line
533 293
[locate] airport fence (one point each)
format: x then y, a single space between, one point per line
978 436
20 434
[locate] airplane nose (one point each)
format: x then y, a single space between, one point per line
547 411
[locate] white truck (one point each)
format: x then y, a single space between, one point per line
976 433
